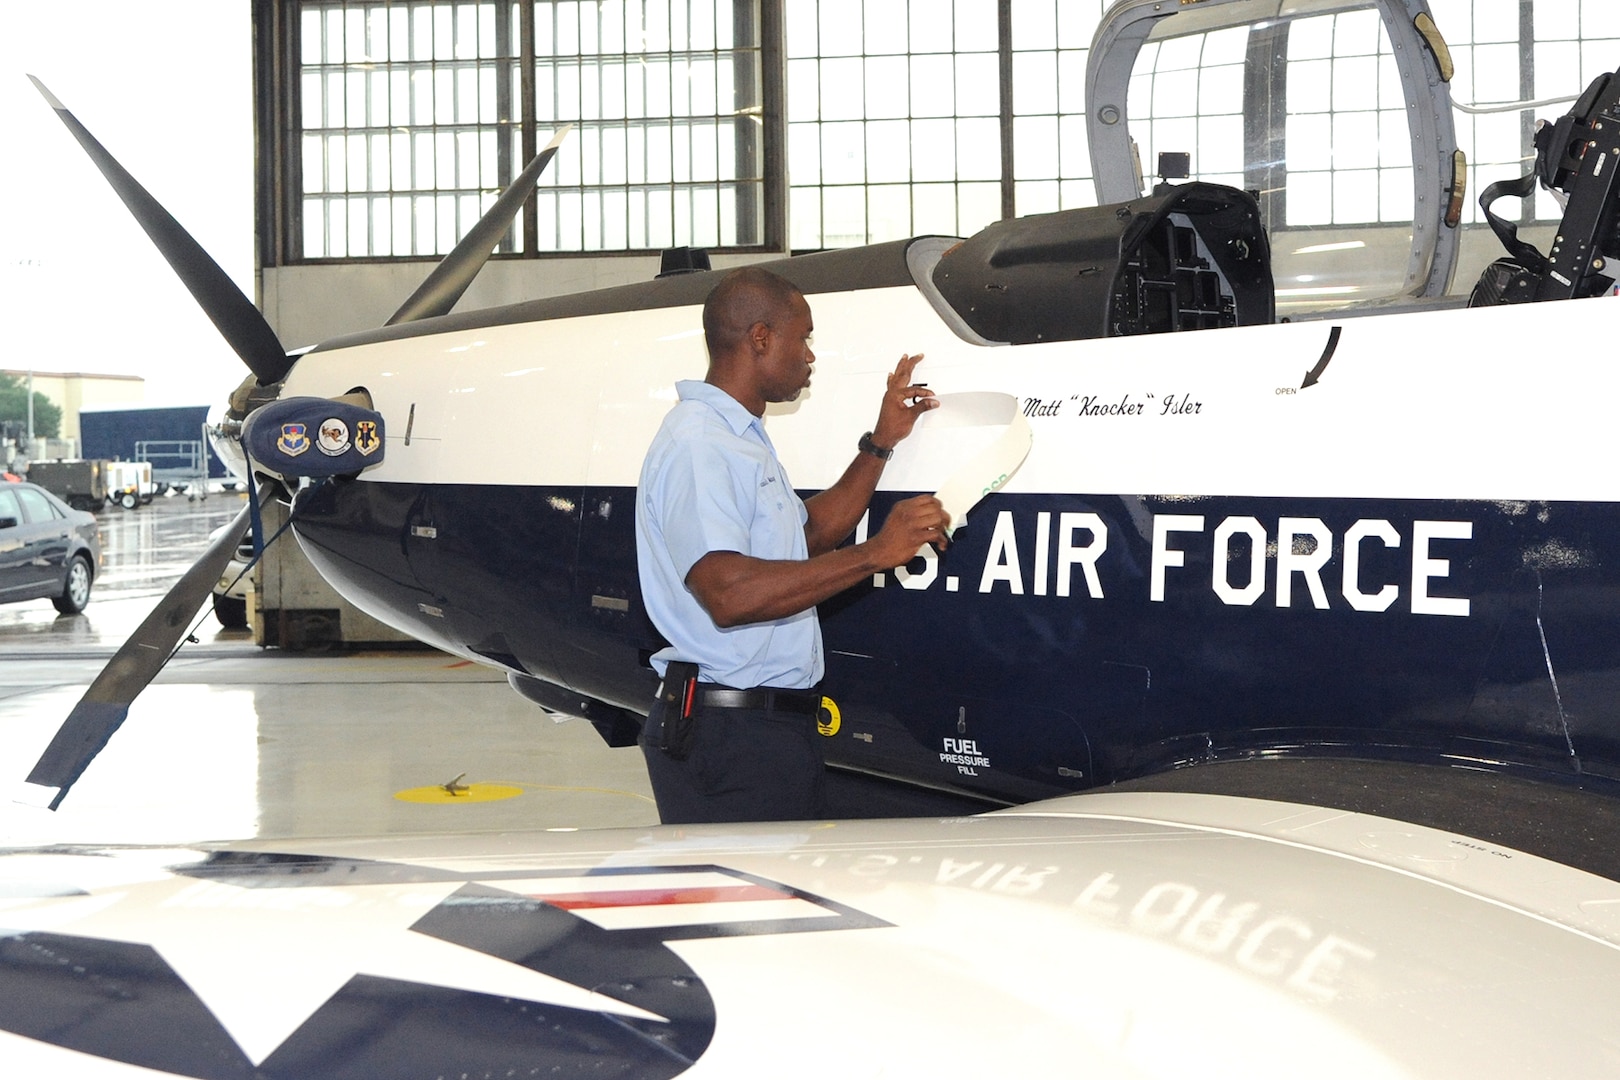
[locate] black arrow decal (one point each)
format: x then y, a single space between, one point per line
1315 373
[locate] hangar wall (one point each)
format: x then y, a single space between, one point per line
311 302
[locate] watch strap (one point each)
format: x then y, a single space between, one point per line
867 446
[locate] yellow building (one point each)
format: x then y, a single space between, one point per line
75 390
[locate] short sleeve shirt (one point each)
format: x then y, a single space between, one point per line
711 481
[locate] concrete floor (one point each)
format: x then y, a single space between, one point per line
233 741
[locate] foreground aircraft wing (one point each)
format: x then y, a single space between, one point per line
1116 935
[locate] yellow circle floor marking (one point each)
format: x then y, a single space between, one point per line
439 793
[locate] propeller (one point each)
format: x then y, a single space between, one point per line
106 703
238 321
444 286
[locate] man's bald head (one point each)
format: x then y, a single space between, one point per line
743 298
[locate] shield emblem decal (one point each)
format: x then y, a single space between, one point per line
294 439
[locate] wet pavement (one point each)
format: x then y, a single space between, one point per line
233 741
143 552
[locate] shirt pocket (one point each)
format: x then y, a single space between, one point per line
777 531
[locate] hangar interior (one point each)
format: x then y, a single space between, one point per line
755 128
306 861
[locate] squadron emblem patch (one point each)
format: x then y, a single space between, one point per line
334 437
365 437
294 439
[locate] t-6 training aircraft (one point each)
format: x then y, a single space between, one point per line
1286 495
1347 521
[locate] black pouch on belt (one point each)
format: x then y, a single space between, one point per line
679 696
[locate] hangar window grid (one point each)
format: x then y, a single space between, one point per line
1051 155
1492 67
1186 95
1559 46
1546 49
412 121
1344 139
666 96
893 119
1575 41
408 127
918 117
1348 139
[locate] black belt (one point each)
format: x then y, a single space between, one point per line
807 702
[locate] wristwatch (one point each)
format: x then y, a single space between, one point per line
867 446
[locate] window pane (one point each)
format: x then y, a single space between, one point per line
654 97
413 99
913 108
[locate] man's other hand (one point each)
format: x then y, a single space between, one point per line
911 523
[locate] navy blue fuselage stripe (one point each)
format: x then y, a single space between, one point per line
1060 692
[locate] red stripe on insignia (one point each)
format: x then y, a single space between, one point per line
656 897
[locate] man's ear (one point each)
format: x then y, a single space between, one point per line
759 337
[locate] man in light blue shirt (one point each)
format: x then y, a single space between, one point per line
733 562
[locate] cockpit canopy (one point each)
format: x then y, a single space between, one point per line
1336 113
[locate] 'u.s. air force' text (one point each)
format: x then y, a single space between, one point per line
1062 555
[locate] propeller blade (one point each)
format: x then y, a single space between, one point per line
105 705
439 293
232 313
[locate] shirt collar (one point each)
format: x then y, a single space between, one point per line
730 409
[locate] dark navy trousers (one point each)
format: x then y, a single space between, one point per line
745 765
